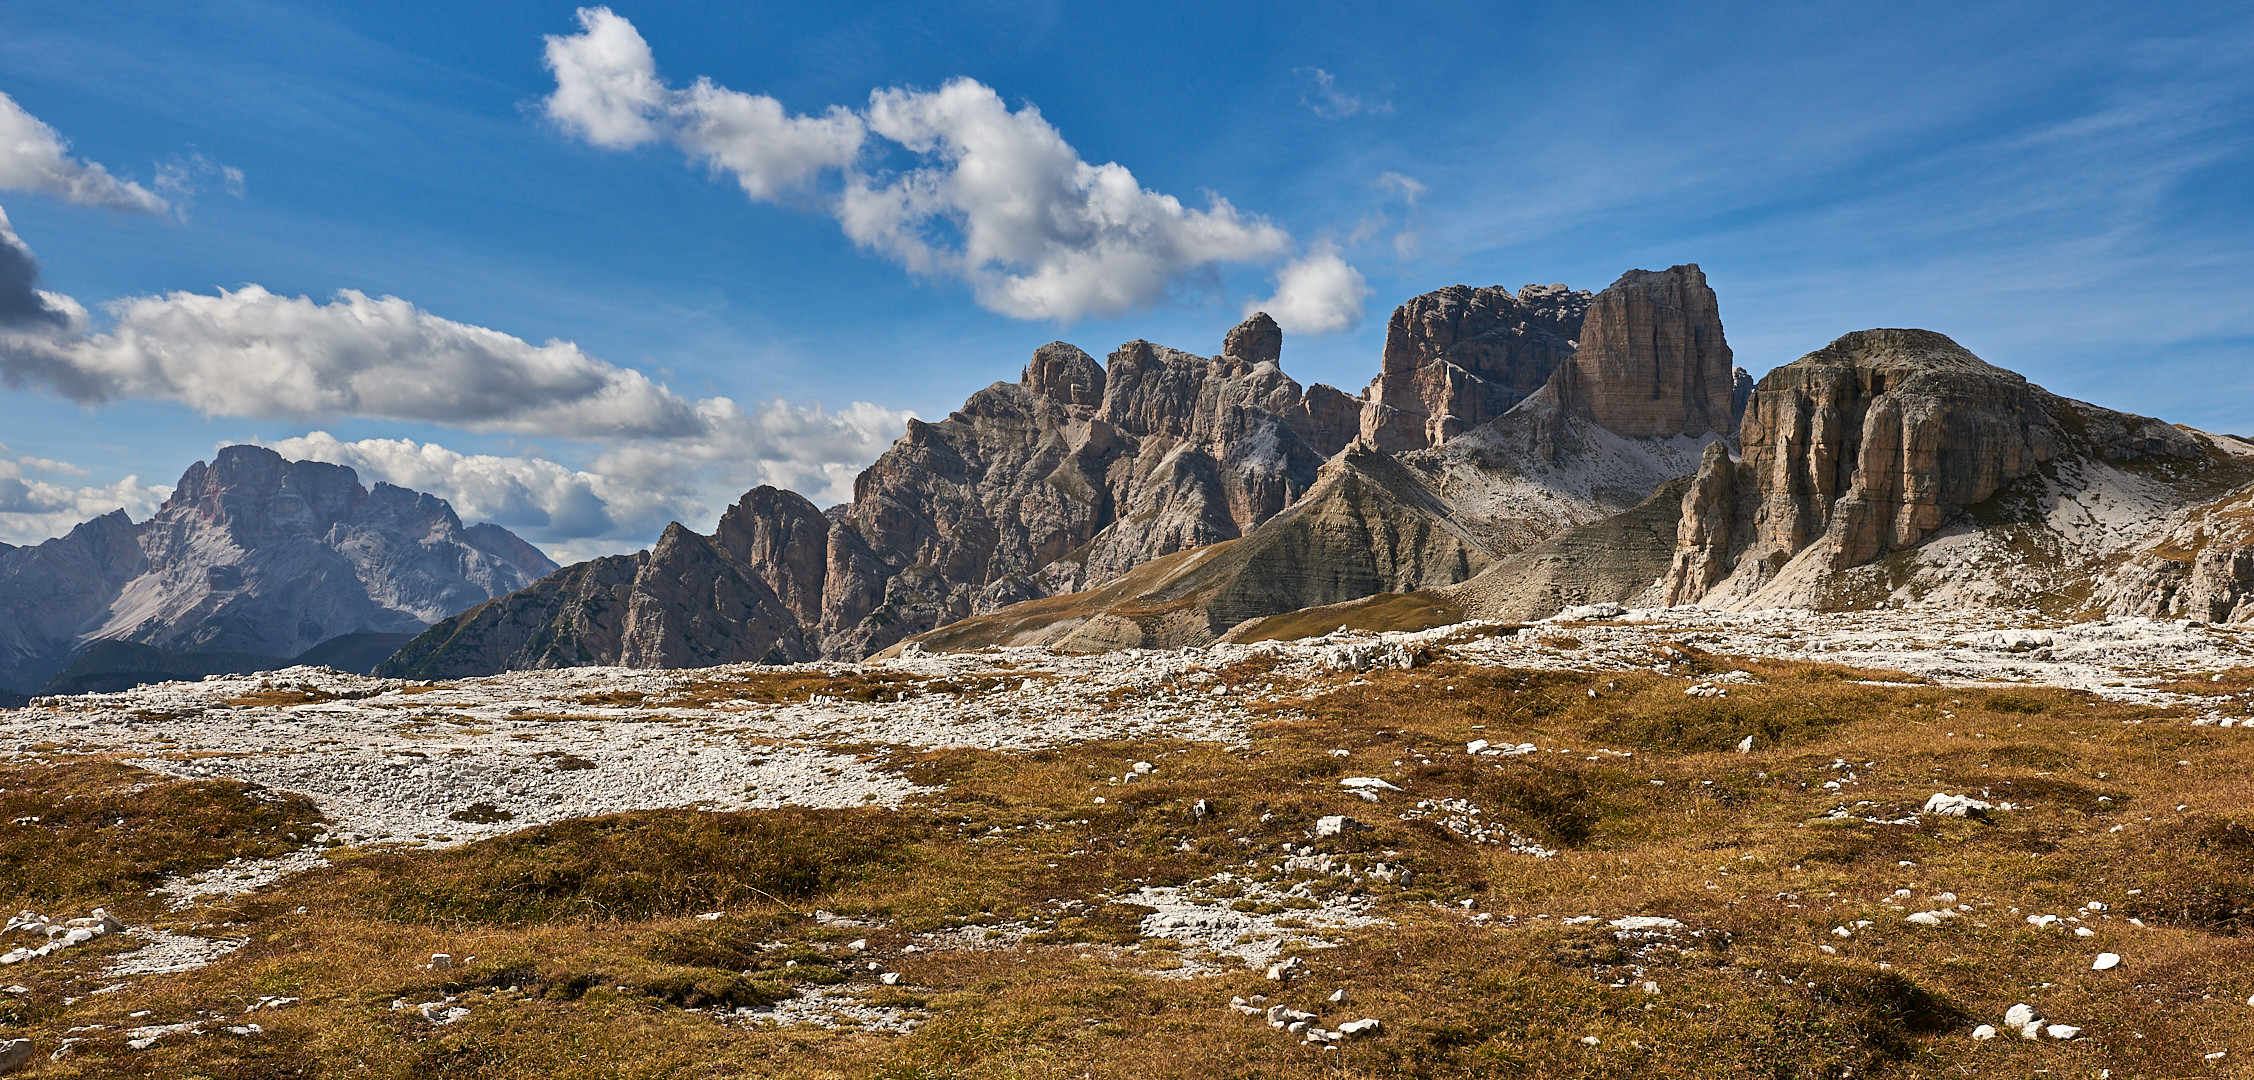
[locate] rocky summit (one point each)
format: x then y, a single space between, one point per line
252 554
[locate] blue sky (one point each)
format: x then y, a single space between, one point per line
2064 189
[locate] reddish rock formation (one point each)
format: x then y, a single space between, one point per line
1652 360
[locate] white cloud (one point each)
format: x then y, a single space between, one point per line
622 498
35 510
528 494
249 352
995 198
36 158
1316 294
608 93
1322 95
1409 188
1042 234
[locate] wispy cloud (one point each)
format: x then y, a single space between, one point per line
36 158
1321 93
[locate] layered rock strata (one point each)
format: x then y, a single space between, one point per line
1484 432
252 554
1368 526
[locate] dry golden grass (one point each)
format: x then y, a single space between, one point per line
589 961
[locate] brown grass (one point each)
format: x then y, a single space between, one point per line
589 962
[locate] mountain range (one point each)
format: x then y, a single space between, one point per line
1519 453
253 562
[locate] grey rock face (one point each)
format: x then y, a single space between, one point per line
1368 525
1459 357
1066 479
253 554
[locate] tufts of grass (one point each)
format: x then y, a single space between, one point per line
633 866
75 834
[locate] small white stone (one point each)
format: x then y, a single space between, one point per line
889 978
2020 1015
2106 961
858 944
2084 931
441 961
1338 996
2062 1032
1591 1040
1983 1033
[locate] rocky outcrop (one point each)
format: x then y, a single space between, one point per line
1460 357
252 554
1607 561
1894 467
1368 526
2200 567
1652 360
1066 479
1871 445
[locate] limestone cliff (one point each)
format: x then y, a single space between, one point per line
1070 490
1652 361
1077 473
1368 526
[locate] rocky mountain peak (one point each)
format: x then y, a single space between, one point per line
259 497
1460 356
1256 340
1062 373
1652 360
1872 444
253 554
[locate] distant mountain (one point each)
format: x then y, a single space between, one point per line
251 555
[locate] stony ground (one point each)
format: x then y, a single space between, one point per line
1620 843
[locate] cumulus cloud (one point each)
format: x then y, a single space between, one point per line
523 493
1316 294
1009 206
1321 94
33 510
993 197
631 489
250 352
608 93
36 158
